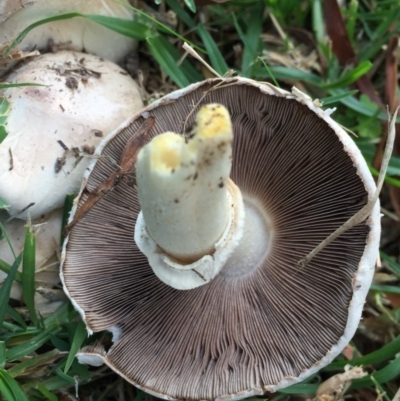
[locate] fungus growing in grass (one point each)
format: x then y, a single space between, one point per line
53 129
79 34
263 322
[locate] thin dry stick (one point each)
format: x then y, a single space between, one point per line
199 101
397 396
362 214
189 49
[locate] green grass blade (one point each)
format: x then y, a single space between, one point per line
384 375
389 180
10 388
351 20
191 5
181 13
7 85
64 376
129 28
2 354
364 109
3 203
269 72
61 316
28 347
49 396
22 367
336 98
393 266
6 268
300 388
4 110
52 384
250 39
5 290
79 337
3 233
318 20
167 62
253 35
350 76
28 272
387 289
161 27
289 74
386 352
14 315
140 395
25 32
216 58
132 29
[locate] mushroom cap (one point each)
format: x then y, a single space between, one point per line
78 34
85 99
260 328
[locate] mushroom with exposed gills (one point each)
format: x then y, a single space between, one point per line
192 212
262 322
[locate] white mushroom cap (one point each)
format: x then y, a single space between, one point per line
263 323
82 34
85 98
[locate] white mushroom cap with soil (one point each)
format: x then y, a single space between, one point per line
52 132
53 129
263 322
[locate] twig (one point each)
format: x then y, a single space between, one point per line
397 396
363 213
189 49
389 214
127 166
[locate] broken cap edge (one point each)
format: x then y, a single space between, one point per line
364 274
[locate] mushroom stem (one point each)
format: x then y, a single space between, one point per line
187 199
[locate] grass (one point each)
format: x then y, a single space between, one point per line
281 41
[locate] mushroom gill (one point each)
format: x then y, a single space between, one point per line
252 328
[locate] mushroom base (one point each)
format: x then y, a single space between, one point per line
255 244
183 276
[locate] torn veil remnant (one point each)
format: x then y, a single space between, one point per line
262 323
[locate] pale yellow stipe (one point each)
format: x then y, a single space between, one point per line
165 151
169 150
213 120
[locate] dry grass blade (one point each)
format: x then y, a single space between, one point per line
189 49
363 213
